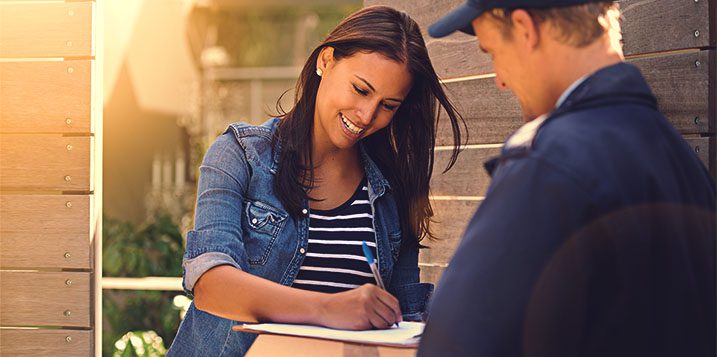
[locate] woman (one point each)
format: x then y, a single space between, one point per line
282 208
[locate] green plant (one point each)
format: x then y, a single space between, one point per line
139 343
152 249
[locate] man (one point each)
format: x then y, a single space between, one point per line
597 234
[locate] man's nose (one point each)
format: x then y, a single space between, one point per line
500 83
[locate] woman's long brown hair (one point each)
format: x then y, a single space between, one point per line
404 149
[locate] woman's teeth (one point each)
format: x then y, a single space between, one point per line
350 126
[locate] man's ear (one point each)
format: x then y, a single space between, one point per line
326 60
525 29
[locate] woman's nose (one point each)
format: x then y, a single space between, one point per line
366 113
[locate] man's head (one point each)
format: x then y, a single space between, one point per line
539 47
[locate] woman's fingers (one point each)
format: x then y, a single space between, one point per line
385 313
392 303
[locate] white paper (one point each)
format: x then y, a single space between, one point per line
408 333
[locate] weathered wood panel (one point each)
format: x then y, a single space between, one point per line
682 85
664 25
45 231
45 162
451 218
46 29
701 147
648 26
431 274
466 178
45 96
681 82
44 299
469 178
44 342
456 55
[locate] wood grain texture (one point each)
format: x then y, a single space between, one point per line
466 178
44 162
44 342
664 25
681 84
46 96
44 299
456 55
38 230
682 87
648 26
431 274
451 219
701 147
46 29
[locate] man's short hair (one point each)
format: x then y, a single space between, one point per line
578 25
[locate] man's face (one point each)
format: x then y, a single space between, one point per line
509 62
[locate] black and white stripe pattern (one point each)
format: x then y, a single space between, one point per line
334 261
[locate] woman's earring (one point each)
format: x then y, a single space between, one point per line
319 72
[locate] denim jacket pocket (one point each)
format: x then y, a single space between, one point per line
264 223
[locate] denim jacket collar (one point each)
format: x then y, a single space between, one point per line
376 181
375 178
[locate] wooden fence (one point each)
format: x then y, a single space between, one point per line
50 178
671 41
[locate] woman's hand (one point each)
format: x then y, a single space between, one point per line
362 308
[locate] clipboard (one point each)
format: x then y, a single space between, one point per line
408 337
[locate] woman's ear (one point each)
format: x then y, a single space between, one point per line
325 60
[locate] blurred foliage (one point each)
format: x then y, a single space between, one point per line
139 343
152 249
267 36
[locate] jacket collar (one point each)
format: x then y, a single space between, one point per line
615 84
618 83
376 180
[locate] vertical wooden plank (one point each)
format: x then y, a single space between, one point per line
45 299
45 231
97 165
45 29
45 96
46 162
664 25
44 342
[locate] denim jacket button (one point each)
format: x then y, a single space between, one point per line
254 221
302 250
304 211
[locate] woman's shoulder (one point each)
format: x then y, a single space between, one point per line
246 131
247 140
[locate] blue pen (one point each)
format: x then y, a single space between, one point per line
374 266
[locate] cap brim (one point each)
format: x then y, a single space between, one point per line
460 19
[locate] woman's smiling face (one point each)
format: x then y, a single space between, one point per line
357 96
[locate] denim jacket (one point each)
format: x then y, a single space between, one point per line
241 222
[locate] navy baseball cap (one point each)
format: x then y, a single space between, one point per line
460 18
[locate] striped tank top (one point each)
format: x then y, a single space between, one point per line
334 260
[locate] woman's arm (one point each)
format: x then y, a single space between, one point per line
215 261
236 295
406 286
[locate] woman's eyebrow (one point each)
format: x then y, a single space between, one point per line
374 89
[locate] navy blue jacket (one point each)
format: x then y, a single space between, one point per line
596 238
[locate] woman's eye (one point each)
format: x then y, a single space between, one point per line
390 107
359 90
